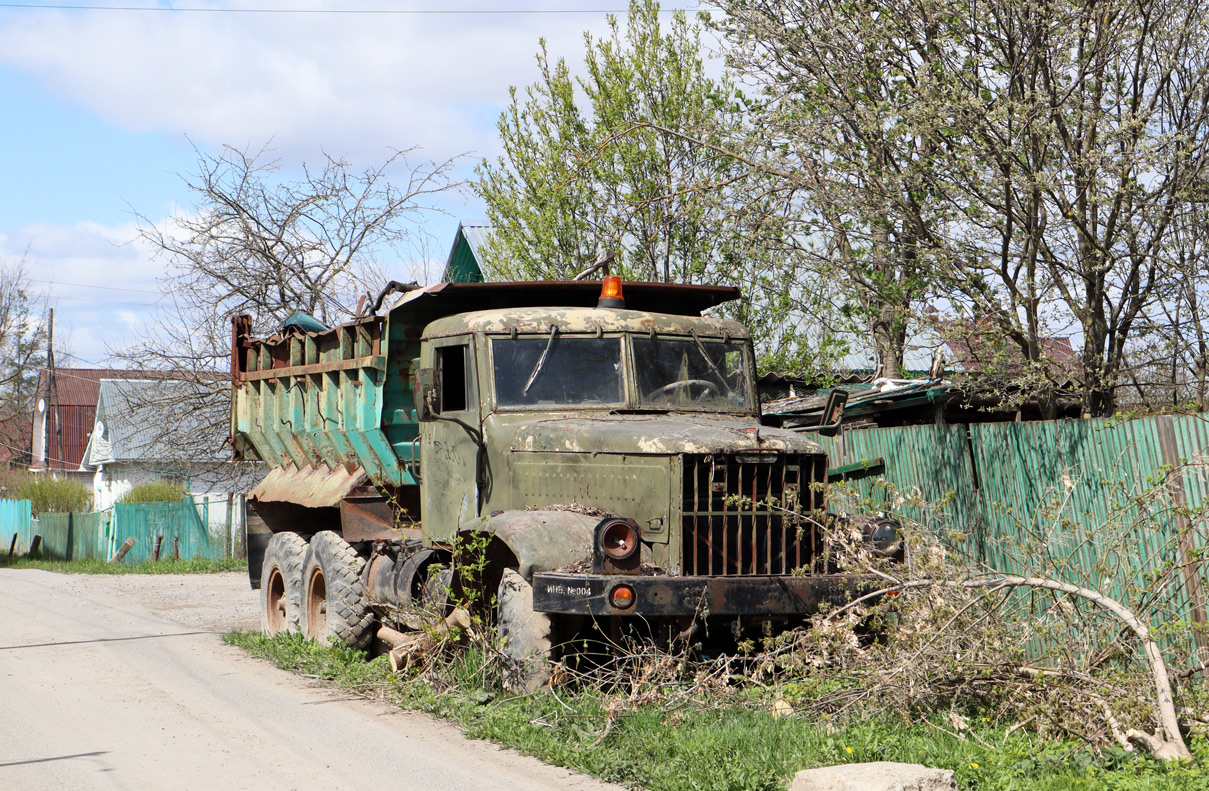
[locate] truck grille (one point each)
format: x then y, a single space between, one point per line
733 515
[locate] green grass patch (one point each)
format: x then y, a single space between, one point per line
703 746
94 566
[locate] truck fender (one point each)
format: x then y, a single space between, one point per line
540 540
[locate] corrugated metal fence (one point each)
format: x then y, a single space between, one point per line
181 527
1118 506
16 519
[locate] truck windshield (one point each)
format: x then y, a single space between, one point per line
691 373
557 371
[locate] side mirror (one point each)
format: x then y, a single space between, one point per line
424 393
833 413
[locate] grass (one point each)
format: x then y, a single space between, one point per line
96 566
705 747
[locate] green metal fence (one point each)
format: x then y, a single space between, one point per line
178 526
16 519
73 536
1119 506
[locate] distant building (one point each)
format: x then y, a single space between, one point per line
70 412
161 429
464 264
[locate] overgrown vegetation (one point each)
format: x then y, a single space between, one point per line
719 734
1084 674
154 492
97 566
46 494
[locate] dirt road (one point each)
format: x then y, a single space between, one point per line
123 683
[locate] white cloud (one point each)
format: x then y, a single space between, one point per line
354 84
97 279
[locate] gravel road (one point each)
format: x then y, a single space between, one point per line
122 682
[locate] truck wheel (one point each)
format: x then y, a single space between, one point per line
281 584
524 635
332 600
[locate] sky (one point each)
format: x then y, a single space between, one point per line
104 106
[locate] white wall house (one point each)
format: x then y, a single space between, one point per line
161 429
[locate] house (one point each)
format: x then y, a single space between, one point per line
465 257
161 429
66 415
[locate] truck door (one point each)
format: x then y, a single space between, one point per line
450 445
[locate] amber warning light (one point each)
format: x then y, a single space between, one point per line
610 293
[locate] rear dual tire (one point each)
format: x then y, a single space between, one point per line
333 601
281 584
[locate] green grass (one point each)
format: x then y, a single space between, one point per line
702 747
169 566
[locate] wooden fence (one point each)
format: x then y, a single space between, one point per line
179 527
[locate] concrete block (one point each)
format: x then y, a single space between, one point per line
876 776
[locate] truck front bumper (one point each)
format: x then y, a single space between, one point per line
666 596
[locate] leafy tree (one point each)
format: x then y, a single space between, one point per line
1027 166
629 159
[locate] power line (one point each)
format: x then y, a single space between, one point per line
90 285
344 11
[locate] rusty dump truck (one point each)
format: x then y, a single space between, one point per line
600 449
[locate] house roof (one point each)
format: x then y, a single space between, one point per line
464 264
156 420
79 386
76 392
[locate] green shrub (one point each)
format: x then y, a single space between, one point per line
56 496
154 492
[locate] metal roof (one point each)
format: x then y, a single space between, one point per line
157 420
465 262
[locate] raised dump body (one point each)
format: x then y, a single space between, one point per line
602 450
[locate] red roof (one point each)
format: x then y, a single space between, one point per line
76 393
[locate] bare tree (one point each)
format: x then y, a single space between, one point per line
22 354
258 243
1028 165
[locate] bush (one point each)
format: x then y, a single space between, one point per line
51 495
154 492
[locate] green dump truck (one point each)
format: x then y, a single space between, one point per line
602 451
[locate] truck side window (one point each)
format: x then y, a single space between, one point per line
452 363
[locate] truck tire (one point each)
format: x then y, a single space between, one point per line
333 604
524 635
281 584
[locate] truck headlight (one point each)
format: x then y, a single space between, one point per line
618 539
616 550
883 535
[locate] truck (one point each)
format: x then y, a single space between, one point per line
577 457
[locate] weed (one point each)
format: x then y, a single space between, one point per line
154 492
47 494
707 744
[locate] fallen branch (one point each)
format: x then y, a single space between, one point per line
1168 743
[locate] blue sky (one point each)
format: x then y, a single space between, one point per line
101 110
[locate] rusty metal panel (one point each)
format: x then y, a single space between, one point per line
314 487
733 521
320 399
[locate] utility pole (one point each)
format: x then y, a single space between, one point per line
53 387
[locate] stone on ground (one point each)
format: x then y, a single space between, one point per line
876 776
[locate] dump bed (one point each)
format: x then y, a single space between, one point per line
337 398
320 407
